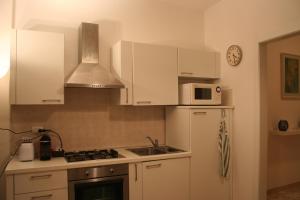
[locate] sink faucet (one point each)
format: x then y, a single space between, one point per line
154 143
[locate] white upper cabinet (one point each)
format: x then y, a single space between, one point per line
154 75
198 64
37 71
122 66
149 73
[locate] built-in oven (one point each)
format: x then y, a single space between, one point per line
99 183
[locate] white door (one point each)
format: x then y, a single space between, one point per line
197 63
166 179
39 68
206 182
155 79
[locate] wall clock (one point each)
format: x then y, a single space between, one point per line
234 55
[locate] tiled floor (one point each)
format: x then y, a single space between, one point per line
289 192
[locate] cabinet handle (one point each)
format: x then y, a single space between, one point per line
42 197
187 73
143 102
199 113
51 100
126 89
40 177
153 166
136 175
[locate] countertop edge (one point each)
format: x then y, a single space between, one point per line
203 107
55 164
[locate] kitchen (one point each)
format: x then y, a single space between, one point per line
168 31
157 164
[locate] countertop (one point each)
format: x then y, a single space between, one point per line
17 167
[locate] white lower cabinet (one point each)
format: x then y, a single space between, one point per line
61 194
33 182
50 185
160 180
135 181
166 179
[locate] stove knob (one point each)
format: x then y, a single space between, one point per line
111 170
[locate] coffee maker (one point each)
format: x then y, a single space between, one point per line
45 147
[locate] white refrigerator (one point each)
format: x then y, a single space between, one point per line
196 129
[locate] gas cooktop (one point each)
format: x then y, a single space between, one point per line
75 156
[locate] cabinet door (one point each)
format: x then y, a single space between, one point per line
122 67
197 63
166 179
39 68
155 79
135 181
206 182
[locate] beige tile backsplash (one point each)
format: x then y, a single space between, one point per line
88 120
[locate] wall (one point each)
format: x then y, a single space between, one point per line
5 25
88 120
248 23
283 152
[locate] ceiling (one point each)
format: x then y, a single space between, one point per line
192 4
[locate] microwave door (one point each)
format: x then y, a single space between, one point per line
202 95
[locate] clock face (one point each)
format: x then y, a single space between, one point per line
234 55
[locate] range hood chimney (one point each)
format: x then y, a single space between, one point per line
89 73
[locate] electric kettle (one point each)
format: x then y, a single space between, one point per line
26 150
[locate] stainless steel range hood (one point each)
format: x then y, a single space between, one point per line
89 74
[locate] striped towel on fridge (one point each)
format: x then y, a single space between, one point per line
224 147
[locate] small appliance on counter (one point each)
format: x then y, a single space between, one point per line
26 150
199 94
45 147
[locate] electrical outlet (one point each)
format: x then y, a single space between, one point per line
35 129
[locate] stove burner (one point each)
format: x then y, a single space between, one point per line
90 155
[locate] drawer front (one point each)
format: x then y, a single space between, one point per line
61 194
25 183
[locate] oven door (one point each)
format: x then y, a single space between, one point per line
107 188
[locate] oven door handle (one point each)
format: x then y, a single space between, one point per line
92 180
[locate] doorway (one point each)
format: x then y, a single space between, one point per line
280 100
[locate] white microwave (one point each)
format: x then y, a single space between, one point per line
199 94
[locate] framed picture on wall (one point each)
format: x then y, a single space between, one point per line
290 76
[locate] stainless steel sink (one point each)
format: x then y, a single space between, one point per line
147 151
